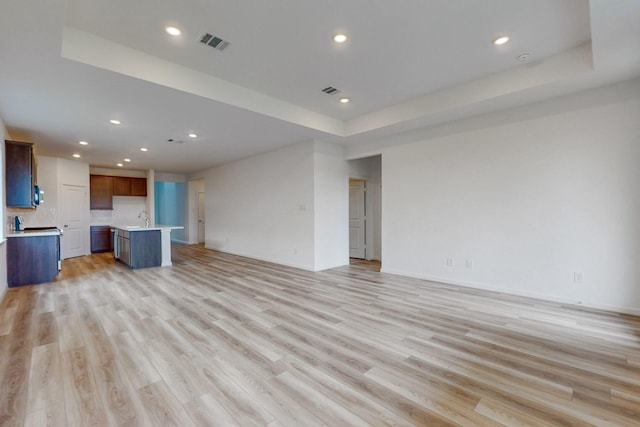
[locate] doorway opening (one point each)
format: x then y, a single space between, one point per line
365 209
357 218
197 211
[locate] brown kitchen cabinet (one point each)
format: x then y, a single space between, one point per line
128 186
19 175
121 186
101 192
139 187
104 187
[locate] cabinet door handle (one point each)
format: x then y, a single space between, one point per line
66 225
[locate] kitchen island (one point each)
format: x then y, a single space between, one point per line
141 247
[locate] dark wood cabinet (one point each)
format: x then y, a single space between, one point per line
32 260
139 186
125 186
101 239
121 186
104 187
19 177
101 192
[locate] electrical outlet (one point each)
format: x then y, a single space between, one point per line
578 277
469 264
449 262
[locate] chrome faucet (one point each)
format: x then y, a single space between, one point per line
147 221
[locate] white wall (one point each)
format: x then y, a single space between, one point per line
262 207
331 206
3 245
288 206
529 203
170 177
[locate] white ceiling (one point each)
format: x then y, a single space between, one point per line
66 68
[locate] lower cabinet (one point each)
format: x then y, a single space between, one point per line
139 249
32 260
101 239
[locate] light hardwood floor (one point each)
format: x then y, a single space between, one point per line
223 340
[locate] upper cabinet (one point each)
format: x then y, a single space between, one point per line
101 192
121 186
19 174
138 186
104 187
126 186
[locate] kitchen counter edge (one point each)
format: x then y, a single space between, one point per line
33 233
157 227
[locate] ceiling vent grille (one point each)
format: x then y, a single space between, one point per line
330 90
213 41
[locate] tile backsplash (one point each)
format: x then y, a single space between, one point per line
125 212
44 216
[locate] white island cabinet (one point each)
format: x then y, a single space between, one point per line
129 245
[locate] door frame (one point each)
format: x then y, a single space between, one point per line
193 188
368 224
204 228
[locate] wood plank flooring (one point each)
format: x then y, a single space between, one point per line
220 340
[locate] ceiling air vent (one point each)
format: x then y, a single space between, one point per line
330 90
213 41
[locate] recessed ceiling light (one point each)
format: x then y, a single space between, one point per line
114 122
173 31
344 100
83 143
143 149
127 160
119 165
193 135
76 155
500 40
340 38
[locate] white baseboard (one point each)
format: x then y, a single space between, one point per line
273 261
517 292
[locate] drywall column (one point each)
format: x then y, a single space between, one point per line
331 206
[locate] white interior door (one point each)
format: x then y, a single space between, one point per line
357 218
200 217
73 208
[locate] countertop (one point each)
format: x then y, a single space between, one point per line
33 233
155 227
